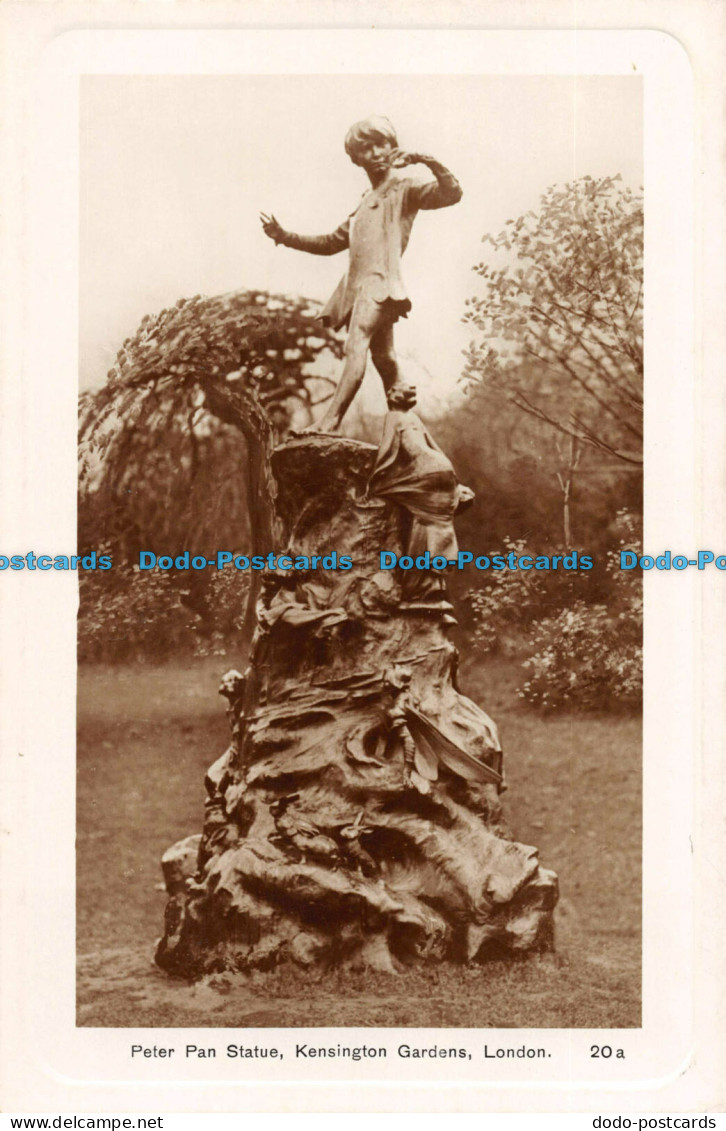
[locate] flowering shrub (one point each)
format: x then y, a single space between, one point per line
149 614
227 602
580 654
627 530
587 657
513 599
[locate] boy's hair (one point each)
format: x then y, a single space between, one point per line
368 130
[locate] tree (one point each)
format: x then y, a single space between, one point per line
559 321
174 445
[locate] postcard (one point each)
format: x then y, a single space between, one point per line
362 566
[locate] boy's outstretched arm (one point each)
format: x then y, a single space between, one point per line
442 192
316 245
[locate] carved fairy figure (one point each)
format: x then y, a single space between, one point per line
372 296
413 472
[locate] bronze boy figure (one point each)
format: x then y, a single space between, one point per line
371 296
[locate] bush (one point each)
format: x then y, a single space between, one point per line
512 600
578 653
156 614
588 658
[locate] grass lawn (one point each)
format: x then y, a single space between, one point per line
147 734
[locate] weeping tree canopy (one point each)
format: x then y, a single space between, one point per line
173 446
559 318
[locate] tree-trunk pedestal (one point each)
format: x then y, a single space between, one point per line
356 817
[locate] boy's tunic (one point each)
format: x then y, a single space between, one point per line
377 234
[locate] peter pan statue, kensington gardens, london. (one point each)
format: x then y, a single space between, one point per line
355 818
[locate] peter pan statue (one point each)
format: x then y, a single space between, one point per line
371 296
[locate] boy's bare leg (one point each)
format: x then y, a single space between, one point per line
364 319
398 394
383 354
369 329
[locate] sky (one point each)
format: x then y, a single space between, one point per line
175 170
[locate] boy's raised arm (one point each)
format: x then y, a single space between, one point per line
442 192
317 245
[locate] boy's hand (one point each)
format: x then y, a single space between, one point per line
400 158
271 227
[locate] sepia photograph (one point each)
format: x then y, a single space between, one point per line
360 513
362 561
